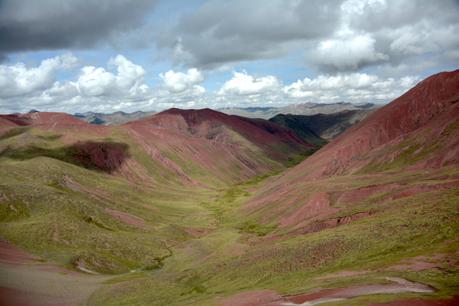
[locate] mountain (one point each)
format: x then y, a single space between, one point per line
209 208
112 118
320 127
308 108
376 200
300 125
220 144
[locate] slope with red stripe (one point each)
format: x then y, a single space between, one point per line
418 131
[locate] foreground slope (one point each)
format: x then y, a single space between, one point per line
114 199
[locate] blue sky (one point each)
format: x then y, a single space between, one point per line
76 56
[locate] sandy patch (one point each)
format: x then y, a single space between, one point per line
12 255
318 206
343 274
454 301
251 298
398 285
126 218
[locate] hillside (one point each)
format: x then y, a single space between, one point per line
325 126
208 209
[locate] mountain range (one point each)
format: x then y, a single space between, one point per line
199 207
249 112
308 108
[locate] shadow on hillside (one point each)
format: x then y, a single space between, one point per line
103 156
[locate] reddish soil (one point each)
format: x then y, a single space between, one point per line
250 298
271 298
53 119
14 120
454 301
12 255
420 189
421 263
317 226
317 207
126 218
197 232
343 274
398 285
16 297
360 194
105 156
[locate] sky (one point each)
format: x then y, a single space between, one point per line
111 55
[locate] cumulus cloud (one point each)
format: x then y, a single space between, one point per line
118 86
177 82
20 80
54 24
349 52
96 81
244 84
352 87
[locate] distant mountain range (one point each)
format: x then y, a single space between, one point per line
112 118
307 108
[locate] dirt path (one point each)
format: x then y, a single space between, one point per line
26 280
271 298
397 285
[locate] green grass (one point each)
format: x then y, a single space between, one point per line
56 209
408 227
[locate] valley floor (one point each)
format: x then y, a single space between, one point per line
389 244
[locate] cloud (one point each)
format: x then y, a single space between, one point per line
177 82
54 24
118 86
19 80
221 32
334 36
351 87
244 84
96 81
349 52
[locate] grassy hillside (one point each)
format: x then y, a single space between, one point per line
173 213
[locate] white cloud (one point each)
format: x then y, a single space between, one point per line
177 82
353 87
244 84
121 86
347 52
20 80
96 81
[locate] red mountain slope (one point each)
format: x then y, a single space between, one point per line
205 143
425 111
417 131
207 122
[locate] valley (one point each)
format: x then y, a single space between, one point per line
196 207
